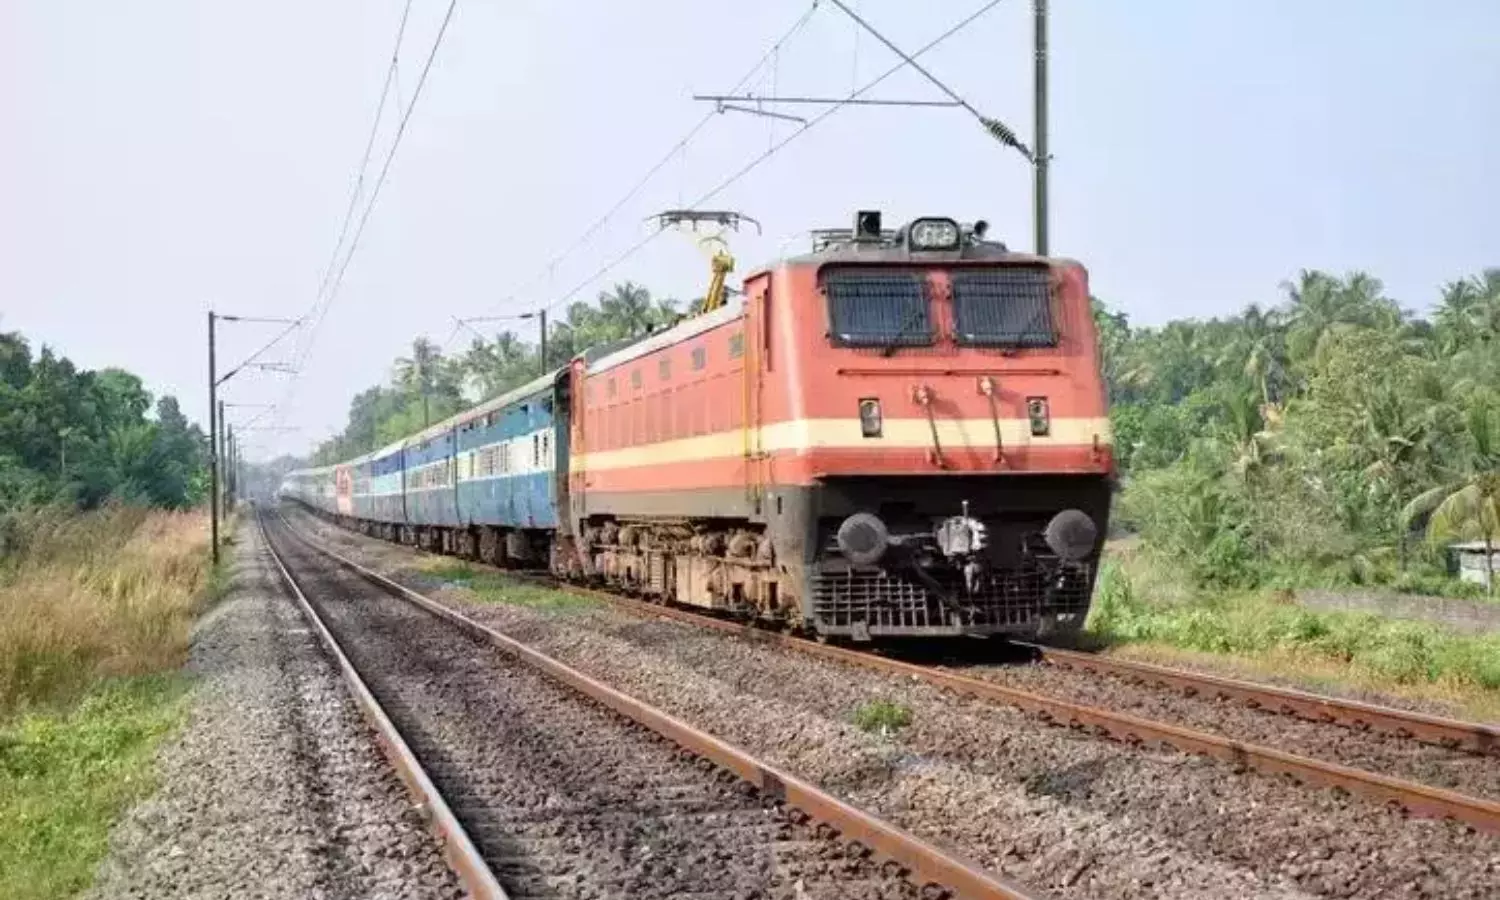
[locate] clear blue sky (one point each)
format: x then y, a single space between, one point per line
164 156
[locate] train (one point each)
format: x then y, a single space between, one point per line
896 433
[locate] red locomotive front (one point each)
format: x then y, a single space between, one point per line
901 433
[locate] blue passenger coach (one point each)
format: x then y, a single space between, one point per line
486 479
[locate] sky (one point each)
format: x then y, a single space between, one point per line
159 159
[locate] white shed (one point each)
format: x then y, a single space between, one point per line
1468 559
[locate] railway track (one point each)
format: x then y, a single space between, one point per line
1473 745
542 782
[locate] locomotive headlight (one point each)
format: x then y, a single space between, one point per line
869 417
933 234
1040 416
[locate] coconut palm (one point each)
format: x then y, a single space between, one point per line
417 373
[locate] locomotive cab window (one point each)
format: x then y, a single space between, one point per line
1004 307
878 308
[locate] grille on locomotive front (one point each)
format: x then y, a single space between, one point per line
1011 597
893 603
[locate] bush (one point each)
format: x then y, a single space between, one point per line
882 716
107 593
1135 602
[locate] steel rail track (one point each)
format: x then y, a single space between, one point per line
936 870
1453 734
1416 798
458 849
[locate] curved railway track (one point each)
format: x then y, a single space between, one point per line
543 782
1474 741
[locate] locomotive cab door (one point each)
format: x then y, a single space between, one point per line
562 418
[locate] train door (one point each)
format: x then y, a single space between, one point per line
562 397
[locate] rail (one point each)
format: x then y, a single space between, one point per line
1443 732
933 866
1417 799
458 849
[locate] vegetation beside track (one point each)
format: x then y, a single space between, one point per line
1333 440
493 587
1144 608
96 614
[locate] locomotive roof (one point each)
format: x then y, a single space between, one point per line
887 253
692 326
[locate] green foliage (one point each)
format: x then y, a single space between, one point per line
881 716
81 438
1313 441
427 387
491 587
65 777
1129 607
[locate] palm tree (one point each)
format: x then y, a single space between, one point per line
1467 507
1257 349
1250 438
628 309
1318 303
415 374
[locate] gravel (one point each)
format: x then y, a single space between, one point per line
1052 807
565 798
275 787
1370 750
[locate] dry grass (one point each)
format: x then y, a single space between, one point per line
107 594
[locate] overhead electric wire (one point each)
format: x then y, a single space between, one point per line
291 326
661 163
1001 132
776 148
332 292
385 169
359 180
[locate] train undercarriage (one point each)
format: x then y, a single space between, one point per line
927 560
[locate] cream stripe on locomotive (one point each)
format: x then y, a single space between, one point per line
810 434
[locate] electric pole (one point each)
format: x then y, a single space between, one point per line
542 317
213 443
216 407
1039 27
223 463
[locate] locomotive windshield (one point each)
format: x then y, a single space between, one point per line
1010 306
878 308
1000 306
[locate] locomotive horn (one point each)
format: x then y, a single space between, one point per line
1071 534
863 538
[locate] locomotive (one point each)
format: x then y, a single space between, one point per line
899 433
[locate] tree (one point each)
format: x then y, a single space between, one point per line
83 437
416 374
1464 510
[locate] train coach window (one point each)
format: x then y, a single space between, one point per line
610 388
1005 307
737 345
635 379
878 308
700 358
664 368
